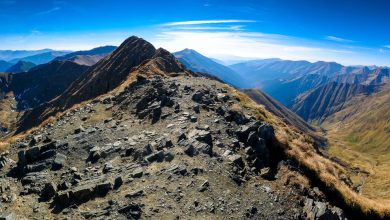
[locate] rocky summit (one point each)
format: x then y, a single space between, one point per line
178 147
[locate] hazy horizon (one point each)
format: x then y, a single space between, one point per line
293 30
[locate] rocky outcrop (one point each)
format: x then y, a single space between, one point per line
133 55
200 155
165 145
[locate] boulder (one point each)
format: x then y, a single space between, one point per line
59 161
244 130
82 193
236 159
204 186
103 188
201 135
266 131
158 156
136 193
131 211
118 182
49 190
319 210
197 96
137 172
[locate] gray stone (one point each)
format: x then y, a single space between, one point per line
236 159
103 188
79 130
169 156
158 156
137 172
266 131
136 193
107 167
244 130
201 135
205 185
59 161
118 182
49 190
7 216
252 138
82 193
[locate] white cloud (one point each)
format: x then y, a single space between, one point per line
245 44
338 39
49 11
199 22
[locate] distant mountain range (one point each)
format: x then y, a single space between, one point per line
285 80
8 55
88 57
199 63
40 58
21 66
4 65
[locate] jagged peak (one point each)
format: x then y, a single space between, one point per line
161 52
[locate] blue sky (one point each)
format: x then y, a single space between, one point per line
346 31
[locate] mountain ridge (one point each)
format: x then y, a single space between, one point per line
21 66
199 63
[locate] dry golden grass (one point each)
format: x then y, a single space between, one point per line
329 173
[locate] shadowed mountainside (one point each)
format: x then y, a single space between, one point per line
42 83
21 66
323 101
285 114
134 54
4 65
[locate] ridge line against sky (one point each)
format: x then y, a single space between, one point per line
294 30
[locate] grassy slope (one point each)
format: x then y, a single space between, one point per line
360 135
299 147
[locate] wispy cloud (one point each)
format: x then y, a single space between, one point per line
49 11
338 39
199 22
235 38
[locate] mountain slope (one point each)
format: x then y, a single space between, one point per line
365 76
199 63
285 114
321 102
156 130
360 136
286 91
43 83
106 75
21 66
20 91
88 57
4 65
40 58
162 132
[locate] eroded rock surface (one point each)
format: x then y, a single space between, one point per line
180 147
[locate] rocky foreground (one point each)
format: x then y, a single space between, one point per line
175 148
